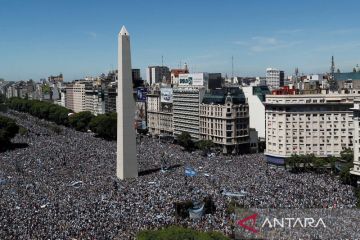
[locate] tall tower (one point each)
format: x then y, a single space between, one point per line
333 85
126 166
332 68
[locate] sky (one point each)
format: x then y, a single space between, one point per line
78 38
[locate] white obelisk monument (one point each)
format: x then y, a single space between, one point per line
126 166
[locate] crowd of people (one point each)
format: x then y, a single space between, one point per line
63 185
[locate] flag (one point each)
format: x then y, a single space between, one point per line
190 172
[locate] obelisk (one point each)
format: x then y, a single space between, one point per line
126 166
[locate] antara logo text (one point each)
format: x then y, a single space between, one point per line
280 223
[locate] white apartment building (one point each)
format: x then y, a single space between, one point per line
274 78
159 115
77 91
255 96
82 96
224 119
356 118
186 101
304 124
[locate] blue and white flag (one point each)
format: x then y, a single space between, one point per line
190 172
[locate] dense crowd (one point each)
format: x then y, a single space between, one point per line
63 186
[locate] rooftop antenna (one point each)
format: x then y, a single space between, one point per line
332 82
332 68
232 68
162 60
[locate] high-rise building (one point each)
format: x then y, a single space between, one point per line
186 101
159 111
136 78
83 96
69 96
256 100
157 74
224 119
75 96
348 81
135 73
110 94
55 79
94 100
356 118
215 81
274 78
320 124
127 165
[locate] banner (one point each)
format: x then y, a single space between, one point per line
166 95
140 115
141 94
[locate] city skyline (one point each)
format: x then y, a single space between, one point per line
39 38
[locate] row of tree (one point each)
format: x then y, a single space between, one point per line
103 125
184 140
309 162
8 130
41 109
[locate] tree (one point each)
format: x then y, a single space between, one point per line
185 140
338 71
80 121
319 163
347 155
44 110
332 161
105 126
309 161
8 130
205 145
294 162
345 176
2 98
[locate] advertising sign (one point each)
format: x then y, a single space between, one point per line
166 95
140 115
141 94
196 79
185 79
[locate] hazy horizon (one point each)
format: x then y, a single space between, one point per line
79 38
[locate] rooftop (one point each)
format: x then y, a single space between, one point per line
218 96
347 76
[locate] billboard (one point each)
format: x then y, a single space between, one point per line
195 79
184 79
140 115
166 95
141 94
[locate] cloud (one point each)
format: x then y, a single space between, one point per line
259 44
344 31
338 47
242 43
290 31
204 56
265 40
91 34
